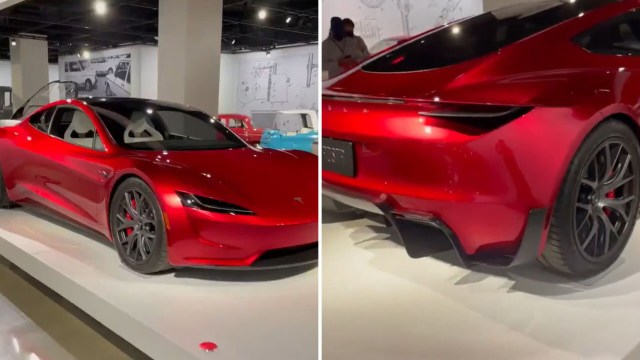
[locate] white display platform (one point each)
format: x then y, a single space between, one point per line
248 314
380 304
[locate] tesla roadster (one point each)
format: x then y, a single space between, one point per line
168 184
512 134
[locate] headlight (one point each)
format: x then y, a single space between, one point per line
209 204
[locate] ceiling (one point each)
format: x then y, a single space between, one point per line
72 26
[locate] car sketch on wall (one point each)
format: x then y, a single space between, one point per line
293 130
119 83
81 72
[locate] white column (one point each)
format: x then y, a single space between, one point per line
189 45
29 68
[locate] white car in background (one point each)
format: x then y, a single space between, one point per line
119 83
102 66
81 72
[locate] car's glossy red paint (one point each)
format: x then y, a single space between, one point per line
77 182
247 131
482 184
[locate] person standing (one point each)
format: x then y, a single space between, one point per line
360 45
339 53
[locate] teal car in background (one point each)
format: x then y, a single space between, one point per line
293 130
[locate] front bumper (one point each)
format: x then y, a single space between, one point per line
416 230
199 238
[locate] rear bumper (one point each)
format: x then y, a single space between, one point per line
417 229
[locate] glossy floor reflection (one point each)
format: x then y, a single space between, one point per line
380 304
35 327
267 315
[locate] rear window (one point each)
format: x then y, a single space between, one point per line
480 35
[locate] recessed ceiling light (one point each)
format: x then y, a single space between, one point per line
86 54
100 7
233 42
262 14
14 43
288 19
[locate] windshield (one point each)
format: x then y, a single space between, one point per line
146 125
53 91
480 35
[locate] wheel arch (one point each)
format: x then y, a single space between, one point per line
620 116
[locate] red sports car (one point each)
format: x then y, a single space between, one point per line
513 134
242 126
170 186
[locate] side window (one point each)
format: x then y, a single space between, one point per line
235 123
121 70
74 67
128 77
66 67
620 36
74 126
41 120
7 99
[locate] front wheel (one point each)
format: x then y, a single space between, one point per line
138 228
88 85
597 207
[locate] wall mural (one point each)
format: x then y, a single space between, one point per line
286 81
377 20
105 73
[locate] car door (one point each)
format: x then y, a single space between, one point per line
122 79
72 170
75 72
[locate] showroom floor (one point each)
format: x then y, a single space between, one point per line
248 314
380 304
33 326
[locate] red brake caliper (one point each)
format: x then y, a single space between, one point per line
610 195
128 216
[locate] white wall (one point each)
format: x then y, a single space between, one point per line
228 95
286 80
380 19
5 73
148 72
495 4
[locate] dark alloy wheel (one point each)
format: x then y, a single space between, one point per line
604 201
597 206
137 227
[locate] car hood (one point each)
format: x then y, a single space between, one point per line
271 183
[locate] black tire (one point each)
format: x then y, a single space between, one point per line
88 85
5 203
587 235
110 71
145 218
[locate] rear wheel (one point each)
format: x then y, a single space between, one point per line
88 85
137 227
597 207
4 197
